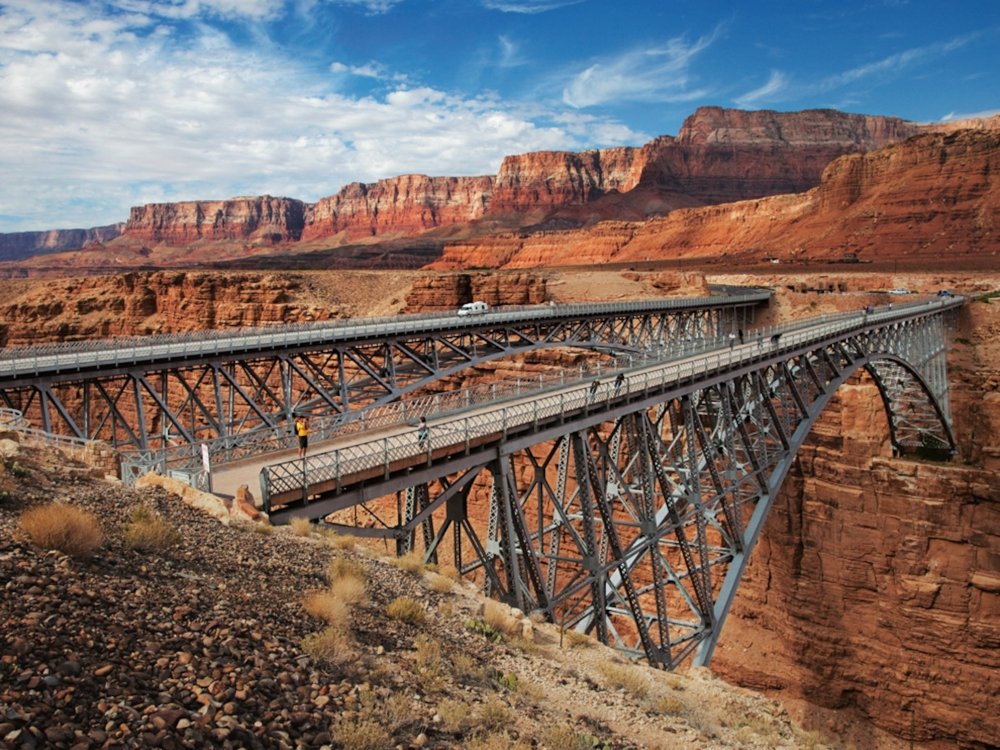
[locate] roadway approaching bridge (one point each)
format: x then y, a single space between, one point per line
629 509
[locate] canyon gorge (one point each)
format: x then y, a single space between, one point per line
871 608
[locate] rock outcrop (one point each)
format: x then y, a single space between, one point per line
257 218
935 195
873 596
409 204
14 245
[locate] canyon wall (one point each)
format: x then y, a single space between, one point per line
257 218
409 204
871 604
935 195
719 156
14 245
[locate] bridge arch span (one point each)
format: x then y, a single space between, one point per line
632 514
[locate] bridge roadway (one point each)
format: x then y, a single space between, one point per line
71 359
354 468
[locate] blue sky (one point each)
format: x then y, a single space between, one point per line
107 105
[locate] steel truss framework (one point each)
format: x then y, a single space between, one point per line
636 525
223 398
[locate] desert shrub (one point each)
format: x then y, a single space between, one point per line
573 639
456 715
326 605
361 734
350 590
478 626
331 646
500 617
67 528
565 737
411 562
466 667
494 714
301 526
429 664
407 610
263 528
148 531
625 676
344 567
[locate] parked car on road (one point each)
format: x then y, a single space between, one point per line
898 291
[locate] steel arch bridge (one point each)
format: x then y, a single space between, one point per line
222 389
630 513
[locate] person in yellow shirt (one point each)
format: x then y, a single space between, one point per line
302 430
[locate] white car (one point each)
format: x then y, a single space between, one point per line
898 292
473 308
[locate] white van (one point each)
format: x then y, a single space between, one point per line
473 308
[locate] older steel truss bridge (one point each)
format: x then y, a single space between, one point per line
237 392
629 511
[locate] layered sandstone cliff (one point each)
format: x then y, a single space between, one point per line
934 195
719 156
14 245
259 218
409 204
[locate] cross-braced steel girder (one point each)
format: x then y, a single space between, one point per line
633 520
252 396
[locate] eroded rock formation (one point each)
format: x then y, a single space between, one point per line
260 218
935 195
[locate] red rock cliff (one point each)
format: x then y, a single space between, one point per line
259 218
408 204
935 195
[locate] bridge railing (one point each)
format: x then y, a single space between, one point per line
381 453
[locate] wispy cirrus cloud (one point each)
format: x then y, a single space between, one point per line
528 7
780 86
776 84
657 73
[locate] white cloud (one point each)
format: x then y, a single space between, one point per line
527 7
776 84
639 75
509 56
101 112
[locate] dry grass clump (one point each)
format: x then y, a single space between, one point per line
301 526
440 584
625 676
456 715
326 605
406 610
331 646
465 667
361 734
411 562
494 715
496 741
345 567
500 618
67 528
148 531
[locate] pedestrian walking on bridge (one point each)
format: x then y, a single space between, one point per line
302 431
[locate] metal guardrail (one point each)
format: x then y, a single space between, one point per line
14 420
379 454
76 355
